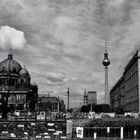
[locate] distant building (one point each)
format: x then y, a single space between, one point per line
50 104
16 91
125 94
90 97
85 99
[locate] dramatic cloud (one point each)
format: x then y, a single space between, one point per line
11 38
55 77
61 42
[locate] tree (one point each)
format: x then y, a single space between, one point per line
102 108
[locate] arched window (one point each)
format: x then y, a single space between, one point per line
3 69
21 81
15 82
14 70
6 81
0 82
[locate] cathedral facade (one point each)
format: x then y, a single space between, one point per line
16 90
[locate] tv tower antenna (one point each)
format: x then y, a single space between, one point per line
106 63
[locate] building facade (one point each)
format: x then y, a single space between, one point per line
117 95
51 104
85 99
125 94
16 91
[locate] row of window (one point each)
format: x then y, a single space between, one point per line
132 106
131 93
12 82
132 80
17 98
132 69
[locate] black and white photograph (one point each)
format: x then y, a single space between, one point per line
70 69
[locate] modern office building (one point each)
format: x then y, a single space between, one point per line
125 94
16 91
90 97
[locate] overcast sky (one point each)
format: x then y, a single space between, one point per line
61 42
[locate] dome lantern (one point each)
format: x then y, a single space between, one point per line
10 56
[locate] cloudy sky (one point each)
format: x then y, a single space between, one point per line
61 42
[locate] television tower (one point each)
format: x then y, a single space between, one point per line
106 63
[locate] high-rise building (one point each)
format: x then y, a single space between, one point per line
16 91
125 94
92 97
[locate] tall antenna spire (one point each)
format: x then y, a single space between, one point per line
85 98
10 55
105 41
10 50
106 63
85 91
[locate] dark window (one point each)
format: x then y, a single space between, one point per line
14 70
3 69
6 81
22 81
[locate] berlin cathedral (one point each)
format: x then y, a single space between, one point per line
16 90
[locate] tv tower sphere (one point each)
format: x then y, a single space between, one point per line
106 61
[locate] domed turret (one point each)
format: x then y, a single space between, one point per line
10 65
24 72
34 84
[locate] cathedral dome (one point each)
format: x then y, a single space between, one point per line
10 65
24 72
